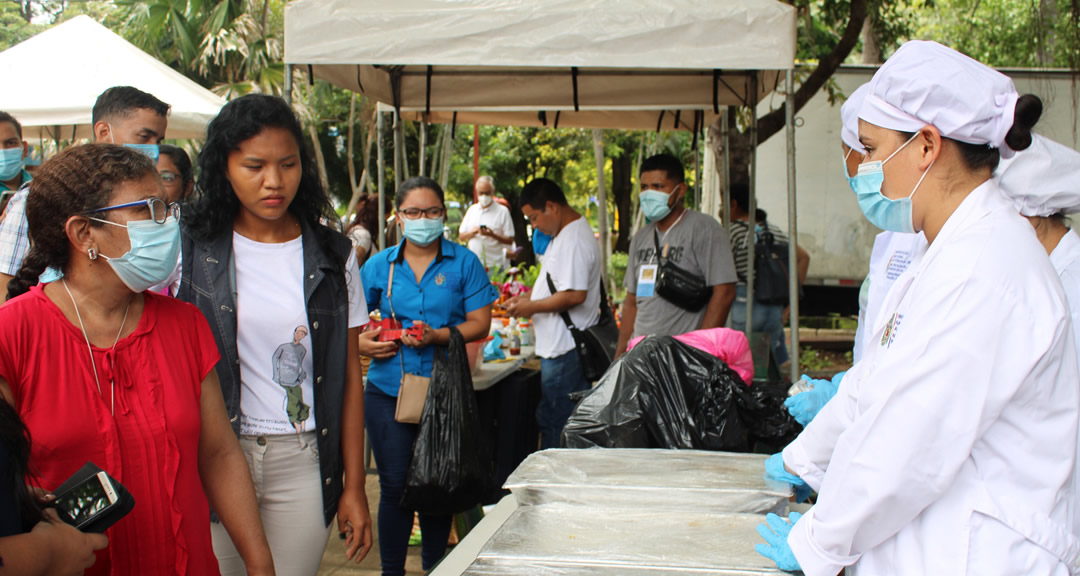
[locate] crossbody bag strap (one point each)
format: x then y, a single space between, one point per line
564 313
656 242
390 303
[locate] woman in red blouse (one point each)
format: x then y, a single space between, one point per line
100 369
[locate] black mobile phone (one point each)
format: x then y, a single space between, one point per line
87 500
483 226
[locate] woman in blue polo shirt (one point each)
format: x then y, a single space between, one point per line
436 284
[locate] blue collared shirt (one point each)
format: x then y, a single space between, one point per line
453 285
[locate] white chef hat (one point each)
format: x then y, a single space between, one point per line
849 115
926 83
1042 180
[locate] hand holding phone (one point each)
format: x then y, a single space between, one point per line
87 500
91 500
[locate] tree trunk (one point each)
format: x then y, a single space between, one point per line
1047 15
601 200
622 191
773 122
372 133
871 52
320 160
444 164
349 149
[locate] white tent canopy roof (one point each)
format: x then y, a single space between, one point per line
550 55
59 74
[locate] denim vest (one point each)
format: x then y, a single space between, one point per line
209 281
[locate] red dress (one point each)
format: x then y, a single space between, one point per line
151 445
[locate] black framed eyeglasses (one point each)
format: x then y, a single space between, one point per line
415 213
159 209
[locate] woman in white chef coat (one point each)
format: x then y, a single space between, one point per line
951 445
1044 184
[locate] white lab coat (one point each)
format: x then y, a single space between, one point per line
949 449
1066 260
891 256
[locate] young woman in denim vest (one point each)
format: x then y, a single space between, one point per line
282 293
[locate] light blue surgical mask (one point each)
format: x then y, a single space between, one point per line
850 179
11 163
153 256
540 242
151 150
655 204
422 231
883 212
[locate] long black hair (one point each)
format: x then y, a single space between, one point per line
213 211
16 438
78 180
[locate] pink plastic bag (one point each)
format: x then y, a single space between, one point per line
726 344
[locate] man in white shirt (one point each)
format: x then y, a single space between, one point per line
487 227
572 262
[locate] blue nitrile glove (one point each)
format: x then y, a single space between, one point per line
774 469
775 532
804 406
493 350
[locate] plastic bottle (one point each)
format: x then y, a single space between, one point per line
802 385
515 338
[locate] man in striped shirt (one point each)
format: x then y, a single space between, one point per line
768 318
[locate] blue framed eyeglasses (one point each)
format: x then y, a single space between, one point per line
159 209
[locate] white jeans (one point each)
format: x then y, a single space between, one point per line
289 494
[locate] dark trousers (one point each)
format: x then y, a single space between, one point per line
559 377
391 443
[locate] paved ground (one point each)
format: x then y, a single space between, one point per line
334 562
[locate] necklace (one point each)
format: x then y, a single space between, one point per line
93 365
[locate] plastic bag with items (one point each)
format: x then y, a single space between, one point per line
667 394
450 468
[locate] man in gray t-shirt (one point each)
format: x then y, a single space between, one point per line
691 240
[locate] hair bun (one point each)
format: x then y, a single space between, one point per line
1029 109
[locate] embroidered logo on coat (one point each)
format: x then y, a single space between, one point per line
440 280
891 328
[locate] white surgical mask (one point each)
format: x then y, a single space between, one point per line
486 200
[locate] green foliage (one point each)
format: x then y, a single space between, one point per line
617 266
13 26
812 360
1007 33
529 274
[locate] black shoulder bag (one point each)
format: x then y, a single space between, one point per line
595 345
678 286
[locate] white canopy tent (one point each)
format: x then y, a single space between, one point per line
57 76
582 63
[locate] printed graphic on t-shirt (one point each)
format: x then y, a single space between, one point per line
288 362
674 254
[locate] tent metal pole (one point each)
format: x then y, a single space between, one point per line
726 122
793 230
752 208
287 89
398 144
423 148
382 180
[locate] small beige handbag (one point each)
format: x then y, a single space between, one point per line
414 388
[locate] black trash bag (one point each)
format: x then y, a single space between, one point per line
450 467
666 394
771 426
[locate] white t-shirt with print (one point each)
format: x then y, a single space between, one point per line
272 332
573 261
